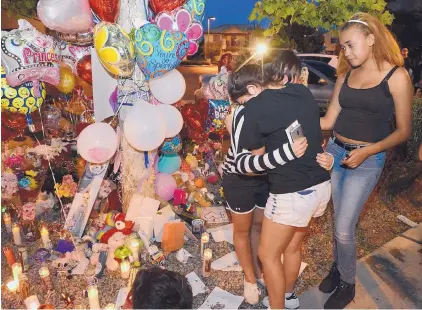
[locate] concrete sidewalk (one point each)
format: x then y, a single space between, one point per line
388 278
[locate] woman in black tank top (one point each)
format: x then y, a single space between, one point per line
372 87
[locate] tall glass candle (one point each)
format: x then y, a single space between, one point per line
205 239
17 271
125 269
16 231
94 302
134 246
45 236
32 302
46 278
10 255
12 286
7 222
206 270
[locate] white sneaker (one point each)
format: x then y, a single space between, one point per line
250 292
290 301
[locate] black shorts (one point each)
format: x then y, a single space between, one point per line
245 193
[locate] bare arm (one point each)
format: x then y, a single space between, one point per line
228 121
327 122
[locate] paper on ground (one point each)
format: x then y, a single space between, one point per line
182 256
215 215
220 299
228 262
198 287
141 211
162 217
303 265
121 297
222 233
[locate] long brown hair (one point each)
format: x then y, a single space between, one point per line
385 48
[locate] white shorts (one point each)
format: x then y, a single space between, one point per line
297 209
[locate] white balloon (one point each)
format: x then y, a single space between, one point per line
144 127
173 119
97 143
168 88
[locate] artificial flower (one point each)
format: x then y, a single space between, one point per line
24 183
31 173
32 183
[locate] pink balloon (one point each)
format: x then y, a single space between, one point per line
165 186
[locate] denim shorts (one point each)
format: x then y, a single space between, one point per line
297 209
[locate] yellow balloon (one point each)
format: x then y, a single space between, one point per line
67 80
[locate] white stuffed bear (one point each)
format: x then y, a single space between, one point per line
118 239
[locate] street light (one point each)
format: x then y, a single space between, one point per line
261 49
208 41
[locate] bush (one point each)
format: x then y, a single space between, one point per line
415 139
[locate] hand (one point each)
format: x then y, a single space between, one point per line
299 147
325 160
356 157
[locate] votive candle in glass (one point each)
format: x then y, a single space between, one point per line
16 231
125 269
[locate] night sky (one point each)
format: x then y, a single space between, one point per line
228 12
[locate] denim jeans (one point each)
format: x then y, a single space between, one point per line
351 189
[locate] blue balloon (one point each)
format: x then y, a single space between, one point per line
169 163
172 145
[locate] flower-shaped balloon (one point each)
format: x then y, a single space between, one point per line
181 20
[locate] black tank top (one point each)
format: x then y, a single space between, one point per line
365 113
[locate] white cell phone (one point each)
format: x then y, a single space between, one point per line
294 132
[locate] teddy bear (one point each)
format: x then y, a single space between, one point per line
115 241
120 225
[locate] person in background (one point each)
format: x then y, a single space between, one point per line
407 63
371 88
225 63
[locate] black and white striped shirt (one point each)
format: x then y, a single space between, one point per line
241 161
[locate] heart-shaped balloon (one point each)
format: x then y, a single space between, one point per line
194 116
67 16
181 20
29 55
159 51
72 54
165 5
196 8
105 10
84 69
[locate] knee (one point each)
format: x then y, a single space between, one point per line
266 256
345 236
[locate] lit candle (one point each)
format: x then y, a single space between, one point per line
17 271
134 247
125 269
7 222
10 255
45 236
12 286
205 238
110 306
94 302
207 263
46 278
16 230
32 302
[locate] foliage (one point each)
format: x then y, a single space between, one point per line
21 7
328 15
416 138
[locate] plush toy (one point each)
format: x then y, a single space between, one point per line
115 241
121 225
191 161
79 255
44 202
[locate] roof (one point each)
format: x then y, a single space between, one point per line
239 27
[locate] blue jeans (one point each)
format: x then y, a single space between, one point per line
351 189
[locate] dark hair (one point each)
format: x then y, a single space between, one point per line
157 288
287 64
239 80
229 60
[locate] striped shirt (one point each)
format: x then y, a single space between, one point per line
241 161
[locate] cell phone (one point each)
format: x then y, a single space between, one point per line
294 132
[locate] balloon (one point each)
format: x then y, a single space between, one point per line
181 20
29 55
174 84
165 5
72 54
97 143
217 112
115 49
80 39
172 145
144 127
68 16
218 85
173 119
105 10
22 98
196 8
84 69
169 163
159 51
67 80
195 115
165 186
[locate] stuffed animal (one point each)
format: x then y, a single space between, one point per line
44 202
115 241
121 225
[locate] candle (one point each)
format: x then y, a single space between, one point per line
23 258
94 302
205 238
16 230
7 222
17 271
46 278
206 271
134 247
45 236
110 306
12 286
125 269
32 302
10 255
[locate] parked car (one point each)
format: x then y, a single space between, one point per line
321 80
332 60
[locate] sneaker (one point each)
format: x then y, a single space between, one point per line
290 301
251 292
329 284
343 295
261 282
